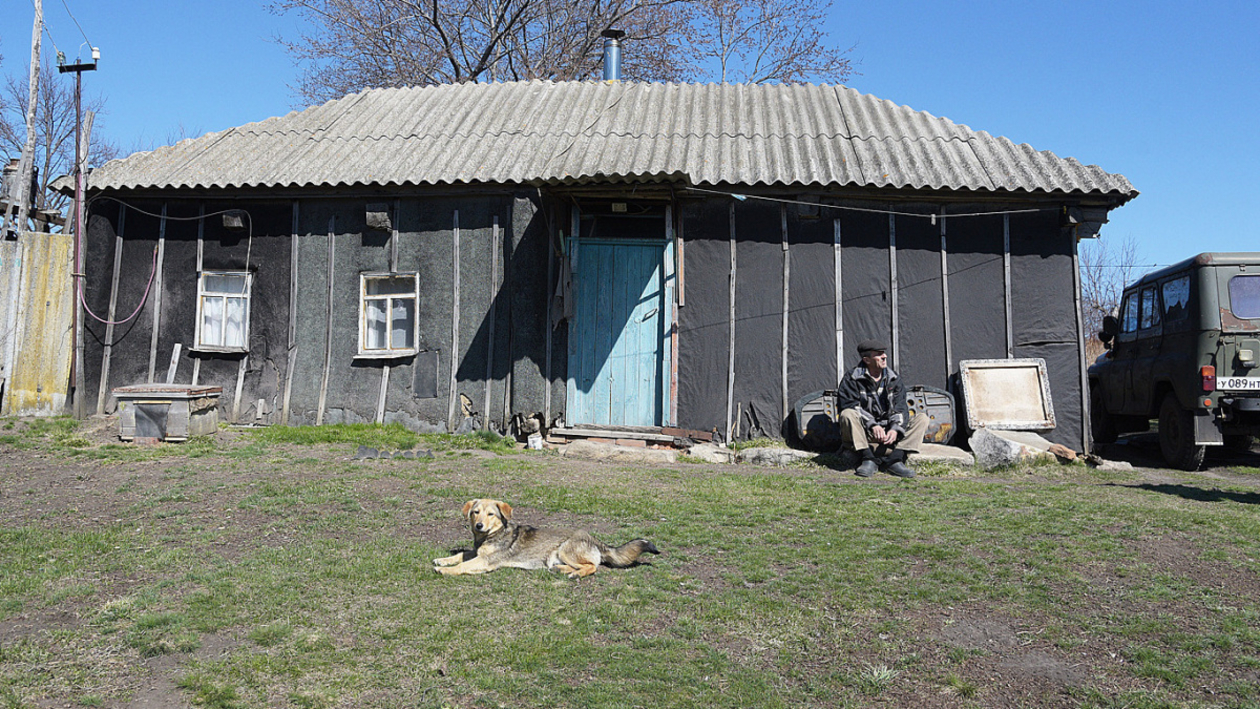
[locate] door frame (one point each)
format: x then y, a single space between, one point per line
667 356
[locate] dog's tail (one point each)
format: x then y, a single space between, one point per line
628 554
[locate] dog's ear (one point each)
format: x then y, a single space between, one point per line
506 510
468 506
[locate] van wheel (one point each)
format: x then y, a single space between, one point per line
1176 436
1101 425
1239 442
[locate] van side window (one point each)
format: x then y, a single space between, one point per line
1176 295
1150 307
1244 296
1129 313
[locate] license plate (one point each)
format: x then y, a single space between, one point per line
1238 384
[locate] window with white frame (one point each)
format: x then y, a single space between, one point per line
223 311
387 316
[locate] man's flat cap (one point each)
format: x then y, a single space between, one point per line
866 346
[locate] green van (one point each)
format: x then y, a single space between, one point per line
1183 349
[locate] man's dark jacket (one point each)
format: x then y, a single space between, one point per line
890 410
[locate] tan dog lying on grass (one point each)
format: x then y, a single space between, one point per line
498 542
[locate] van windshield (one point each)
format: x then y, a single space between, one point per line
1244 296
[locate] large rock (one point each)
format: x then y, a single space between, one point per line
711 453
1111 466
996 448
620 454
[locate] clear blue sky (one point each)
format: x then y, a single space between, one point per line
1165 93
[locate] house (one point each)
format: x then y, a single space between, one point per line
584 254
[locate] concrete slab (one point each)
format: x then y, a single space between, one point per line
1028 439
932 453
778 457
938 453
591 450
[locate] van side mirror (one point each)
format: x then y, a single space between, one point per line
1111 327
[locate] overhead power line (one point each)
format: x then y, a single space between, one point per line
75 20
76 23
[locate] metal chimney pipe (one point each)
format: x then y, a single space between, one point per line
612 54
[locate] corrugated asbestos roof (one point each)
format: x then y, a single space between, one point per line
543 132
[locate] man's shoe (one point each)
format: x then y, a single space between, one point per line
899 469
867 469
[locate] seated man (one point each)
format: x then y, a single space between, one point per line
874 416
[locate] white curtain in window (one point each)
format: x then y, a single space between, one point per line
377 325
234 330
212 321
403 315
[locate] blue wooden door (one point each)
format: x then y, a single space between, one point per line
617 337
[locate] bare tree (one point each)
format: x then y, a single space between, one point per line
356 44
756 41
350 45
54 128
181 132
1106 268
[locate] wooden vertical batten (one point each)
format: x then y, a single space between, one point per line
452 393
730 372
113 304
201 252
949 349
836 251
894 356
1006 284
328 335
157 296
293 305
494 313
787 292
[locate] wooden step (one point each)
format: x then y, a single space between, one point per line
628 432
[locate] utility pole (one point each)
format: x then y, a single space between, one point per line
27 165
13 306
80 157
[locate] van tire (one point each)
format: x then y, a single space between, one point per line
1102 426
1239 442
1176 436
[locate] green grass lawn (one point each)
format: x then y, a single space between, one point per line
277 572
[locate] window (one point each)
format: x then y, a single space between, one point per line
1176 295
387 315
1244 296
1150 307
1129 314
223 311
